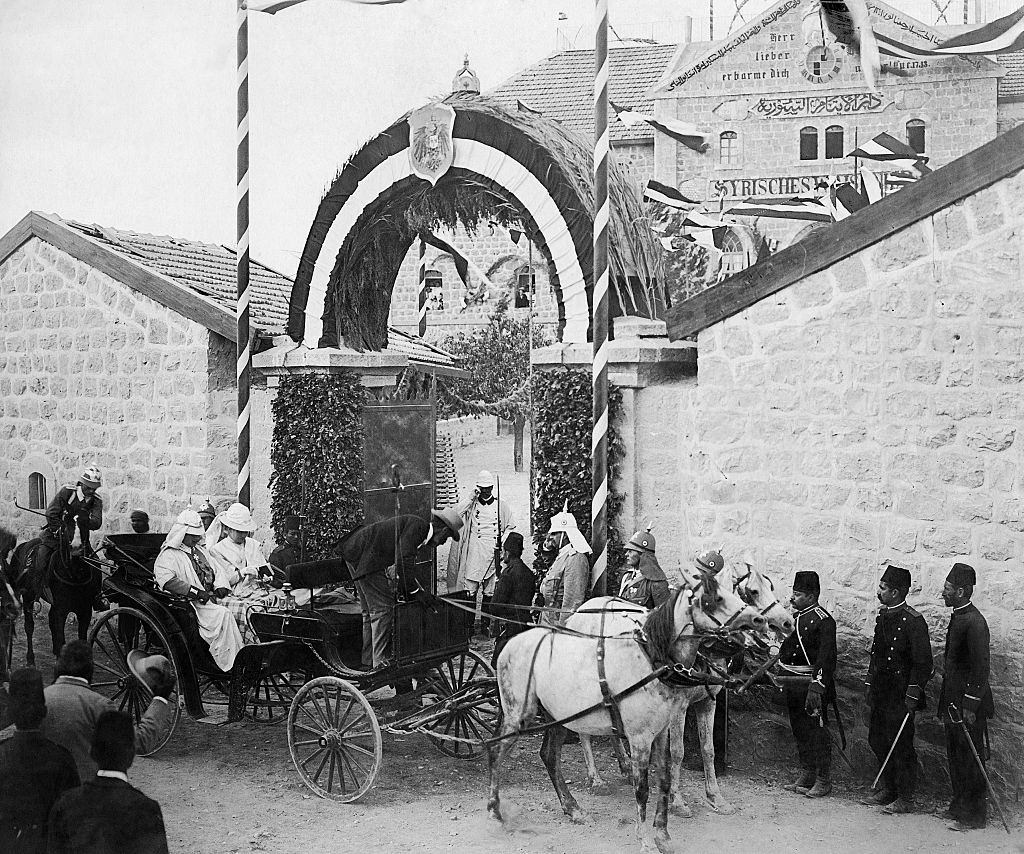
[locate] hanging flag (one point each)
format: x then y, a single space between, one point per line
870 186
886 149
845 199
666 242
848 21
803 207
1003 35
272 7
696 219
514 235
525 108
658 192
892 47
687 134
708 239
461 261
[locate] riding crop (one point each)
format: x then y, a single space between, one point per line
888 756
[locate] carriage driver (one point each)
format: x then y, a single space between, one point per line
181 568
73 506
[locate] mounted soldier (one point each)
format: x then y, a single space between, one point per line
72 507
643 580
810 651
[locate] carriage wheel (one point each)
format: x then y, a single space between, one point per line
269 699
114 635
334 739
477 718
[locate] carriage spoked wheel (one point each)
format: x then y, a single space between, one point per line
473 716
116 633
270 698
334 739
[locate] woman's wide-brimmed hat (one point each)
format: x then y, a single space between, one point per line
237 516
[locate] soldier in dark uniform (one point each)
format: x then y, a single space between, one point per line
72 507
643 580
810 651
965 685
901 665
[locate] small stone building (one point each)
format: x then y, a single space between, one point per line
118 349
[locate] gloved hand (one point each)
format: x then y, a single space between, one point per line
970 717
222 592
165 683
912 699
201 596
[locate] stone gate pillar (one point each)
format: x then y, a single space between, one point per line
655 376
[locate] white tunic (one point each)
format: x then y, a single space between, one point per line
216 625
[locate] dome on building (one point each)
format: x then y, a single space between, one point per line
466 80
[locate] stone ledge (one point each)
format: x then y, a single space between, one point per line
633 362
375 368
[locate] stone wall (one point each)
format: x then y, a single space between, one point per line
467 429
93 372
869 414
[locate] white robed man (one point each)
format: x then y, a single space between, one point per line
242 574
182 569
486 520
567 583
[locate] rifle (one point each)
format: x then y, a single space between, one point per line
497 542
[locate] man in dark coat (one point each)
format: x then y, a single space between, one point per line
965 686
810 651
371 550
33 770
643 580
107 815
72 507
901 665
289 552
516 586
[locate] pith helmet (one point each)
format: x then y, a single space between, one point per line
91 476
710 561
641 541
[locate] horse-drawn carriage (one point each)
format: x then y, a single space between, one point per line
303 669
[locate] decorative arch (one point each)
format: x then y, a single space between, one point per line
517 167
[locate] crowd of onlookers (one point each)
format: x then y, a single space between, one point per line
64 761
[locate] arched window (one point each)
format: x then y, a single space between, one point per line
432 284
915 135
808 143
36 491
833 142
526 283
734 254
729 148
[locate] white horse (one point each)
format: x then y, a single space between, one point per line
559 671
757 591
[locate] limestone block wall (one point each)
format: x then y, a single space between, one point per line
262 431
93 372
872 413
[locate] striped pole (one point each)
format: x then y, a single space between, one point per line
421 278
599 326
244 360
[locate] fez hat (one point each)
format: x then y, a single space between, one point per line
26 689
897 576
806 581
514 544
291 523
710 561
962 575
148 668
450 519
139 516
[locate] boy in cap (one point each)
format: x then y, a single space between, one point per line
900 667
33 770
810 650
965 686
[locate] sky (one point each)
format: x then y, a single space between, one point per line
122 112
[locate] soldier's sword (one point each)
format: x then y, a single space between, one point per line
757 674
891 749
981 767
838 746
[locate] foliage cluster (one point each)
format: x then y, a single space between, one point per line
561 459
317 457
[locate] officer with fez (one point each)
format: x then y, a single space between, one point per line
965 687
808 655
900 667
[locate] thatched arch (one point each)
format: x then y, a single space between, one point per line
517 169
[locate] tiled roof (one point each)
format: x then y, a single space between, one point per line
209 269
562 85
1011 85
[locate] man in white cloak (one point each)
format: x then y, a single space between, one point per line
181 569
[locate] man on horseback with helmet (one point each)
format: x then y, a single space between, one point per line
643 581
73 506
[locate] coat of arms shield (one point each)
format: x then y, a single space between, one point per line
431 150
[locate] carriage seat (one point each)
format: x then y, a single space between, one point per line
134 555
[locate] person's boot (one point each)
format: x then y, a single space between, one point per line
900 806
803 783
880 798
822 787
485 616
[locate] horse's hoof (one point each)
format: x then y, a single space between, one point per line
721 806
494 813
576 815
664 843
601 787
682 809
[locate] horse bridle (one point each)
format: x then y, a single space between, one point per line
747 596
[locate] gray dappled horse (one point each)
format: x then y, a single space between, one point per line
559 671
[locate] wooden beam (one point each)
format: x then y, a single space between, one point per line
163 289
963 177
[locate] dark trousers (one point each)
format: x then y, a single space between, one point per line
900 775
508 631
812 742
969 793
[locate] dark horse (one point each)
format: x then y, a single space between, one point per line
70 584
10 606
